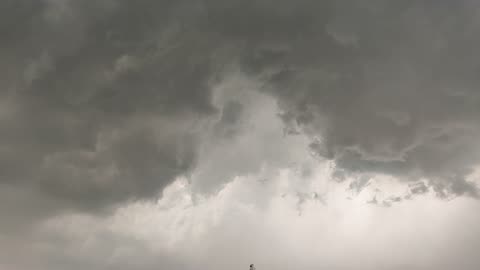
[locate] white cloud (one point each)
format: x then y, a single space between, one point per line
229 230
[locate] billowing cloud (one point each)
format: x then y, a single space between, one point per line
104 104
113 90
101 102
381 87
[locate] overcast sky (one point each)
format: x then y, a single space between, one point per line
212 134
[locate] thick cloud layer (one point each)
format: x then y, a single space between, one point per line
107 102
383 87
101 100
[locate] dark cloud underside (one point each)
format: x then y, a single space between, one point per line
107 102
101 101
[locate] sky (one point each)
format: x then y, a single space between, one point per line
213 134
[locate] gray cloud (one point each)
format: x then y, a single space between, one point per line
105 102
387 87
100 101
418 188
357 186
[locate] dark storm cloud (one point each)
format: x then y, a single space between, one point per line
387 87
104 102
100 100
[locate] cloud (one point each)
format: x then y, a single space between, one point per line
104 104
382 87
102 101
418 188
179 233
105 80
